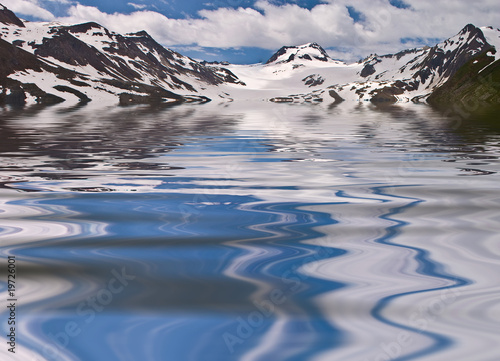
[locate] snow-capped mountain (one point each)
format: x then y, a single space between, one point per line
51 62
307 73
423 70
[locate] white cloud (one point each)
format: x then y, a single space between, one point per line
224 27
329 24
30 8
61 1
138 6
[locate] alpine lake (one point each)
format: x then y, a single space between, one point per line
249 231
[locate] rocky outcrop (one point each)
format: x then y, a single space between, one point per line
337 99
386 94
368 70
313 80
83 97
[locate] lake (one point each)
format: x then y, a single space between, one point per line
249 231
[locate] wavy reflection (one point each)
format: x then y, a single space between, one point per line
251 232
175 270
426 267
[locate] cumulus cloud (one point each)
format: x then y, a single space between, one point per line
30 8
380 27
269 26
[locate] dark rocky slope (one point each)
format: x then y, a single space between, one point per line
473 91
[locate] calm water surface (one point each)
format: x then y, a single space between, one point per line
252 231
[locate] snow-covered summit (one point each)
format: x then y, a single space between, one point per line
301 53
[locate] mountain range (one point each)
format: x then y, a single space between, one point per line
48 63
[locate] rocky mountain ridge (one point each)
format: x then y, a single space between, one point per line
51 62
409 75
428 68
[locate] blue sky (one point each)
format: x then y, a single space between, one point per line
176 9
249 31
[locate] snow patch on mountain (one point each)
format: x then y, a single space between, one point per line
492 36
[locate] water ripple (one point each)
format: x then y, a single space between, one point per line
252 233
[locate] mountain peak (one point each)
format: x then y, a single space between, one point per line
309 52
470 38
84 27
8 17
140 34
312 45
469 28
470 32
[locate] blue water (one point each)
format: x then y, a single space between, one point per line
250 232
